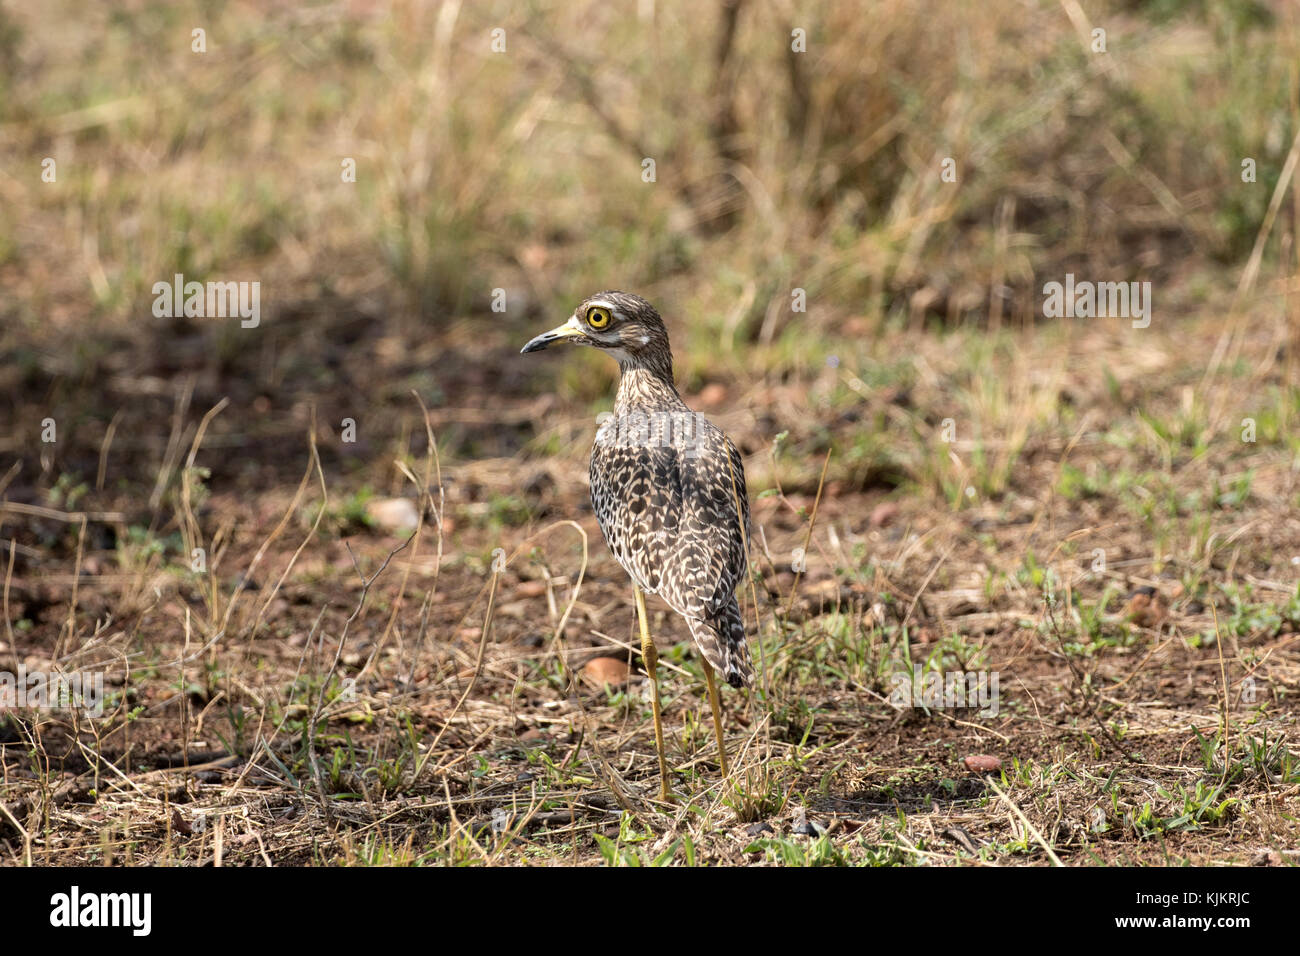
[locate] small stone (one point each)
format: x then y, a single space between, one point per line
827 590
983 763
1146 608
758 829
882 514
515 609
712 395
393 514
606 670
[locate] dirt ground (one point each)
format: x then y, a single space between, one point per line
330 689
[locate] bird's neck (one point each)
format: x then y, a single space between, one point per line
642 386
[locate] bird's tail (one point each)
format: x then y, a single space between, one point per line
721 639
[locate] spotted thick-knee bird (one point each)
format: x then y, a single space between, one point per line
668 488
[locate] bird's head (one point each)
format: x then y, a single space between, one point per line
625 325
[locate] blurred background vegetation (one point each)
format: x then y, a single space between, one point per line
522 170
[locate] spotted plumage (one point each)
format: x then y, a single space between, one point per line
667 486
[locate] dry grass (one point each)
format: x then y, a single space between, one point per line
365 699
1078 506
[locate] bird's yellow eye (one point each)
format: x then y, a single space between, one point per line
597 317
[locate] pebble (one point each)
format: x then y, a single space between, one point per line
606 670
393 514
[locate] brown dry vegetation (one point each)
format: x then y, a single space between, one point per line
1105 530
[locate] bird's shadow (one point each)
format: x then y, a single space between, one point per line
912 797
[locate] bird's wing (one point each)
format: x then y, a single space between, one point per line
672 516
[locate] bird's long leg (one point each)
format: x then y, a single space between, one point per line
717 715
650 655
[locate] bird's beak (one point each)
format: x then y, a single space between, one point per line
569 330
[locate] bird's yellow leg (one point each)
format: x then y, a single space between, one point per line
650 655
717 715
